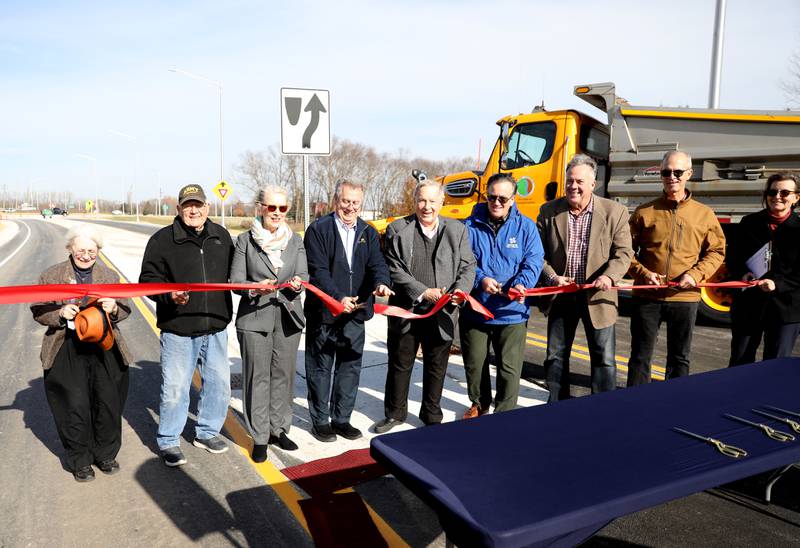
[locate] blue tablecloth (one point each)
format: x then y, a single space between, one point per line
556 473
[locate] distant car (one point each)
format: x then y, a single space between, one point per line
116 212
46 213
59 211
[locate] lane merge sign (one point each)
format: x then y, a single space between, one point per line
305 121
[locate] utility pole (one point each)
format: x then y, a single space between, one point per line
716 55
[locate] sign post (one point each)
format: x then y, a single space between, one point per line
305 129
223 191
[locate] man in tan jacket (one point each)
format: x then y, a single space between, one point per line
586 239
676 239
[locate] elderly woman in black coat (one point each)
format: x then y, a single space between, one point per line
86 385
767 248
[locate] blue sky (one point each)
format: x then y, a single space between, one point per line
429 77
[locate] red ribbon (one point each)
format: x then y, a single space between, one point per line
62 292
396 311
573 287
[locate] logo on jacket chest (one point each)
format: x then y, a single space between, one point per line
512 243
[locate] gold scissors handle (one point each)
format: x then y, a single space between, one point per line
728 450
794 424
776 435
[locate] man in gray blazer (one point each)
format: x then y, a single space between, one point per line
586 239
428 256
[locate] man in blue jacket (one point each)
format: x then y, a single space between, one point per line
344 261
509 253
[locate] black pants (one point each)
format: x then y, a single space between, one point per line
86 389
402 353
645 320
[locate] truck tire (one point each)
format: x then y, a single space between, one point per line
713 311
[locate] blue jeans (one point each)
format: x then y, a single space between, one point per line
645 320
180 355
562 322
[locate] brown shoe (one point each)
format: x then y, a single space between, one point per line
483 410
473 411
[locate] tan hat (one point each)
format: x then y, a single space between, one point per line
191 193
92 324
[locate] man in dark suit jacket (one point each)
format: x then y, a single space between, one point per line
428 256
344 261
586 239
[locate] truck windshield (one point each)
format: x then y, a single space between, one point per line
531 144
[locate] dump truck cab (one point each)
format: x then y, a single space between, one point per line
534 148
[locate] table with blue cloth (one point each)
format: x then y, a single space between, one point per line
555 474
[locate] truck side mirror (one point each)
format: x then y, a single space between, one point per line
504 160
550 191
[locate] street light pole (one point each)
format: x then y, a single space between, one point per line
135 142
716 55
93 161
218 85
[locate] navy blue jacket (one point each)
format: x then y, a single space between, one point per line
329 271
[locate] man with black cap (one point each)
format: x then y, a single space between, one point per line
192 250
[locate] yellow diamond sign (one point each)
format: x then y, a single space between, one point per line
223 190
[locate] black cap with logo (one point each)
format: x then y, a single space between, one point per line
191 193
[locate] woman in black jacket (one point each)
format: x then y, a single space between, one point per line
767 241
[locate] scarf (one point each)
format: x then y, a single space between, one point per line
774 220
273 243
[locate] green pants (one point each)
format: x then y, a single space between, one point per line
508 342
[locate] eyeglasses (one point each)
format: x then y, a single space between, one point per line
667 173
785 193
271 208
84 252
502 199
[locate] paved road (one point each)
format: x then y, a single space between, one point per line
215 500
225 500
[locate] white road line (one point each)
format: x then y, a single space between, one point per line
25 241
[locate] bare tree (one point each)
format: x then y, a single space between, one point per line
791 85
387 177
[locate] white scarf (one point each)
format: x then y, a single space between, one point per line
273 243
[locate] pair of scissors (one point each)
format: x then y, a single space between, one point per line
724 448
784 411
794 424
776 435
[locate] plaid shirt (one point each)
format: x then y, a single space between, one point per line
579 226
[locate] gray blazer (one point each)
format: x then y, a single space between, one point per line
251 264
454 268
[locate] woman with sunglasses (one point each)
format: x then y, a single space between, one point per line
269 320
86 386
766 248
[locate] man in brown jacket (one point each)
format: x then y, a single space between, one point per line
586 239
676 239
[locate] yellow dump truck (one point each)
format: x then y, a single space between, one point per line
733 153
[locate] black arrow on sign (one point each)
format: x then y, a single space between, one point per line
315 106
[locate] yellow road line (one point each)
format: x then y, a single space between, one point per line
582 353
274 479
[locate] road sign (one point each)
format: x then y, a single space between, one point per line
305 121
89 205
223 190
